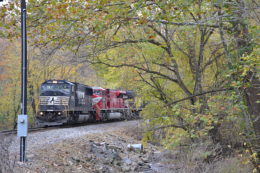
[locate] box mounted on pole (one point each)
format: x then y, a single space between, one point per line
22 125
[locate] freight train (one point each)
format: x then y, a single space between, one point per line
65 102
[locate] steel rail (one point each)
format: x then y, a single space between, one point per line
36 129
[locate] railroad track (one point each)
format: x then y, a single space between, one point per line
37 129
9 132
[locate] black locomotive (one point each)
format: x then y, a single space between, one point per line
63 102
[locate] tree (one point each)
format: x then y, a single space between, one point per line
192 61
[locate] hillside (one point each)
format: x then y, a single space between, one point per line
103 148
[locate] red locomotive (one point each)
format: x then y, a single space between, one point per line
111 104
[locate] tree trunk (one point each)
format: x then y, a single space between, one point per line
252 98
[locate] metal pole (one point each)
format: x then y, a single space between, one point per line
24 75
22 149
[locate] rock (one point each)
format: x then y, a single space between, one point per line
126 168
89 157
146 166
30 156
141 163
113 159
55 165
105 146
102 153
107 160
102 169
114 147
112 170
75 159
145 159
116 159
127 161
117 162
99 168
134 166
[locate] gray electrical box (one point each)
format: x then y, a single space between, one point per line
22 125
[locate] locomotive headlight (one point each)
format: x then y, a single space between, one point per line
41 113
59 113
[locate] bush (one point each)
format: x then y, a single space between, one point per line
206 157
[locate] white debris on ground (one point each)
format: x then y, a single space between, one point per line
99 148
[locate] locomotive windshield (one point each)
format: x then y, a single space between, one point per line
55 90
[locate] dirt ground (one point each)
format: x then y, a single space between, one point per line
105 151
103 148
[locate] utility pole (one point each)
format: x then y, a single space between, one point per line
22 127
24 58
22 123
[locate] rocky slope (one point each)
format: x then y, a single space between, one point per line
94 148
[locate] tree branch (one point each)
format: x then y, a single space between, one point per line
167 126
199 94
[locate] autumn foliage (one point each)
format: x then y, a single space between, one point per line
194 65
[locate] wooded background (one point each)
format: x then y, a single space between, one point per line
194 64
